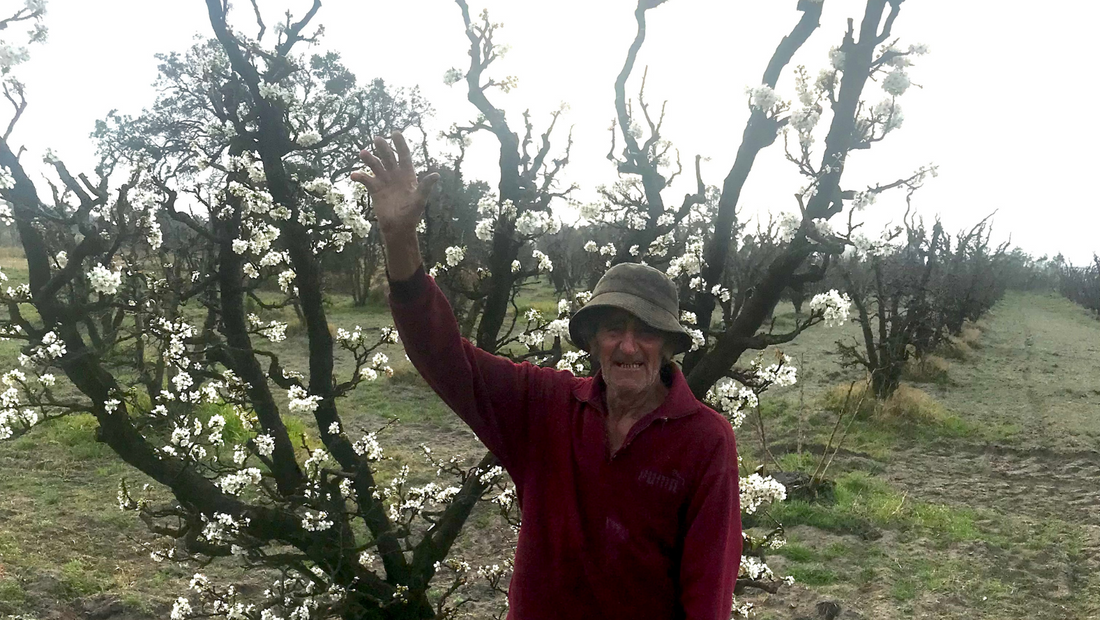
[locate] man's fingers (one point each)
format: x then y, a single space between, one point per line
425 185
404 158
368 180
372 162
385 153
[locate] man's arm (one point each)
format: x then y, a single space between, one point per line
490 393
712 544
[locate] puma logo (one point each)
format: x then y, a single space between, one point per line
671 483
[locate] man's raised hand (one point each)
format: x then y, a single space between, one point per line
398 197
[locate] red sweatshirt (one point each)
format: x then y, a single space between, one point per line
651 531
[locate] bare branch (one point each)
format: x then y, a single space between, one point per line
259 21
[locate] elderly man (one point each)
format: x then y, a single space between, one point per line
626 482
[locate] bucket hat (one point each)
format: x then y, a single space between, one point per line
640 290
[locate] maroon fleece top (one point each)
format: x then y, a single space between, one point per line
651 531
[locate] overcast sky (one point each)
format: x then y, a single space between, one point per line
1006 107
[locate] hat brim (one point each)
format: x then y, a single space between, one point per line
647 312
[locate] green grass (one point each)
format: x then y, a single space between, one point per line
79 579
813 575
12 595
864 505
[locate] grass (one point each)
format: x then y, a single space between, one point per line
912 550
865 504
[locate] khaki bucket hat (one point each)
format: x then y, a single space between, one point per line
640 290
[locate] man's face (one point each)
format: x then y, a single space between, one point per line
629 352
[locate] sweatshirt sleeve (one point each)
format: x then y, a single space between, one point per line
499 399
712 543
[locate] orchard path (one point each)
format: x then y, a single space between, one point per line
1034 385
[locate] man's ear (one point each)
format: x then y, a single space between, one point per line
668 349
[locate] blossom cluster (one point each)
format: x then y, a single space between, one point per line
732 400
834 307
104 281
757 490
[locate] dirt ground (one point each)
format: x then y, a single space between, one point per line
1035 385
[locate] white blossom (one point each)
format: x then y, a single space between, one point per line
833 305
181 609
265 444
804 120
888 112
301 401
285 279
698 340
309 138
570 360
316 522
104 281
732 399
836 59
275 331
558 328
763 97
452 76
756 490
484 229
689 263
275 93
454 255
369 447
753 567
533 223
896 82
235 482
782 374
544 261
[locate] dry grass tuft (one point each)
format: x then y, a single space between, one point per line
911 404
906 405
961 346
405 374
971 334
956 348
846 397
928 369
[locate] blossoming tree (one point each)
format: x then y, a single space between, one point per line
231 194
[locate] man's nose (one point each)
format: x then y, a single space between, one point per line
628 344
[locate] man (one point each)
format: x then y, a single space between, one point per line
627 484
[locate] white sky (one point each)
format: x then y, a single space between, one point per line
1005 108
